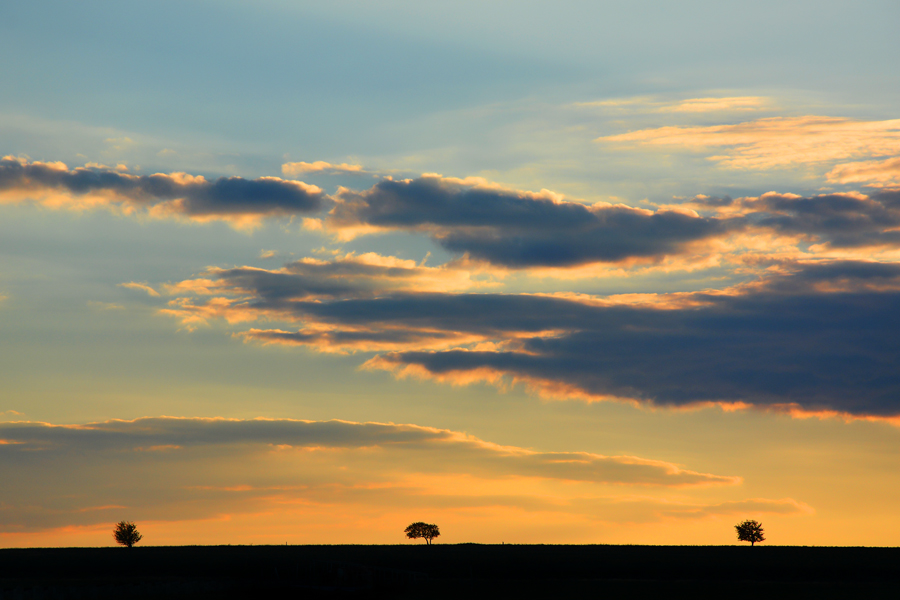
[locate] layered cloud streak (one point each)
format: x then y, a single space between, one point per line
484 222
181 468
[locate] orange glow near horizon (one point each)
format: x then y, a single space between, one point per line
561 274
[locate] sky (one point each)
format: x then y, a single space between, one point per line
571 272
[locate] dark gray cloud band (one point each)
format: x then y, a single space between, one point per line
777 346
518 229
504 227
845 220
819 337
195 196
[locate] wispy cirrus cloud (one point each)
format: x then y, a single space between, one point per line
752 507
690 105
292 169
104 305
775 142
134 285
193 468
726 103
242 202
875 173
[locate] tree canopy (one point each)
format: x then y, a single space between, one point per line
750 531
427 531
126 533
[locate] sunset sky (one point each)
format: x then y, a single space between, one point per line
572 272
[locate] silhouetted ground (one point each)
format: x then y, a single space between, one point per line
445 571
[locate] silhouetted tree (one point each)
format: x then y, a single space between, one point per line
427 531
126 533
750 531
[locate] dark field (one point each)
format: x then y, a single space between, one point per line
445 571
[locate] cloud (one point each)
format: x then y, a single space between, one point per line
485 224
832 225
346 276
819 340
512 229
192 468
777 142
245 294
876 173
292 169
808 338
751 507
133 285
360 339
519 229
105 305
240 201
728 103
834 220
691 105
